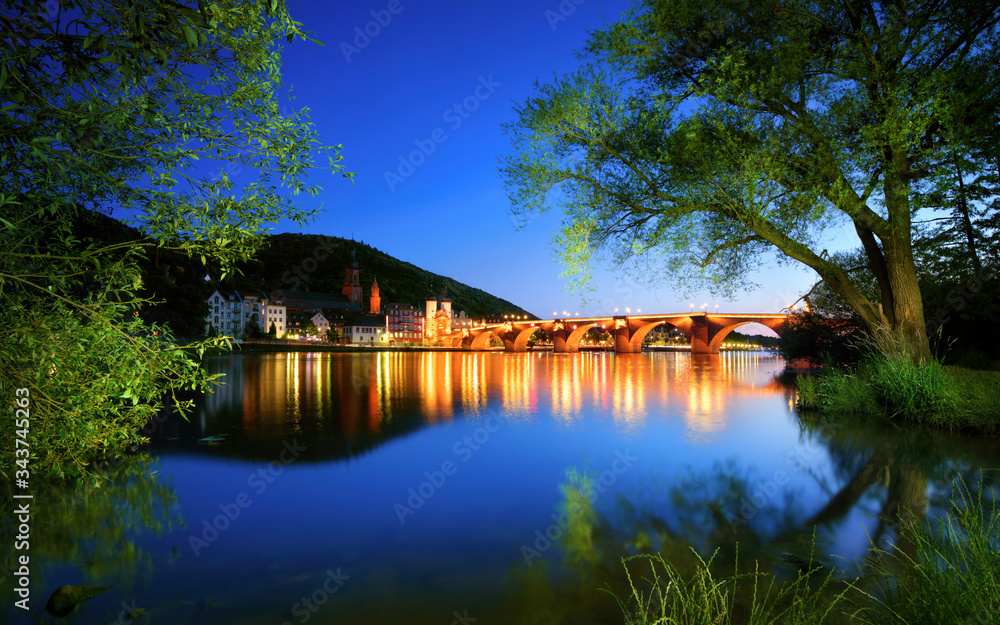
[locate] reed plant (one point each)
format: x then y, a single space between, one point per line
669 597
945 572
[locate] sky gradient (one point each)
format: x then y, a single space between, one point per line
417 93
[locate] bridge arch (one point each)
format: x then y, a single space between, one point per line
775 325
635 343
576 335
482 340
523 336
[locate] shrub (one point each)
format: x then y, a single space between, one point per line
819 339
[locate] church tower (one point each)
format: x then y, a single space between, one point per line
376 301
352 282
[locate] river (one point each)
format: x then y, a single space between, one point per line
451 487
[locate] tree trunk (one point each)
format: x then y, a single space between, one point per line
902 331
966 221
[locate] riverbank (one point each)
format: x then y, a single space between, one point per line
948 397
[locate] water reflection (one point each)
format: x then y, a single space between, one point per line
93 527
368 398
883 479
705 438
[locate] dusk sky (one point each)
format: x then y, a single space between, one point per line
380 96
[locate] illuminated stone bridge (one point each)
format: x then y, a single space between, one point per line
705 330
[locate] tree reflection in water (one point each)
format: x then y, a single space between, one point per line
890 477
93 526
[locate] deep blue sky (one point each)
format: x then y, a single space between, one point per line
450 214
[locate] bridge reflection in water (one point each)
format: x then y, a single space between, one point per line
363 398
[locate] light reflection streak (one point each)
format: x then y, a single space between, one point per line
355 392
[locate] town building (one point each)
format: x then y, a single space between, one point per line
293 312
236 315
224 313
352 282
405 324
275 314
322 324
439 320
365 330
336 304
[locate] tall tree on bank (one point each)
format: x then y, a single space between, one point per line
139 108
704 135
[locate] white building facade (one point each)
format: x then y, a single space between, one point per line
233 314
366 330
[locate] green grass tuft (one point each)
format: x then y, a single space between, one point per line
668 597
946 573
899 390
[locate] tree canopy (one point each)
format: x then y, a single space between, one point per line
141 109
700 136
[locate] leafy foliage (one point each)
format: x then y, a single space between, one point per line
820 339
699 138
113 107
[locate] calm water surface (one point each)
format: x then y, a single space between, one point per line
433 487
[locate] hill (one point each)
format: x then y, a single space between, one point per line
297 261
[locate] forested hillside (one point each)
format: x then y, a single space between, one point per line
297 261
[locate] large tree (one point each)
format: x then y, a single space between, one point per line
166 113
707 134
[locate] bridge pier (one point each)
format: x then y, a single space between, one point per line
510 342
623 337
559 345
700 342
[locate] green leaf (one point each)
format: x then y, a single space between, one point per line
189 35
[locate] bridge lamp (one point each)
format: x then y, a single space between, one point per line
616 310
639 311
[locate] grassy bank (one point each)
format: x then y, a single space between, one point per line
900 391
941 572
